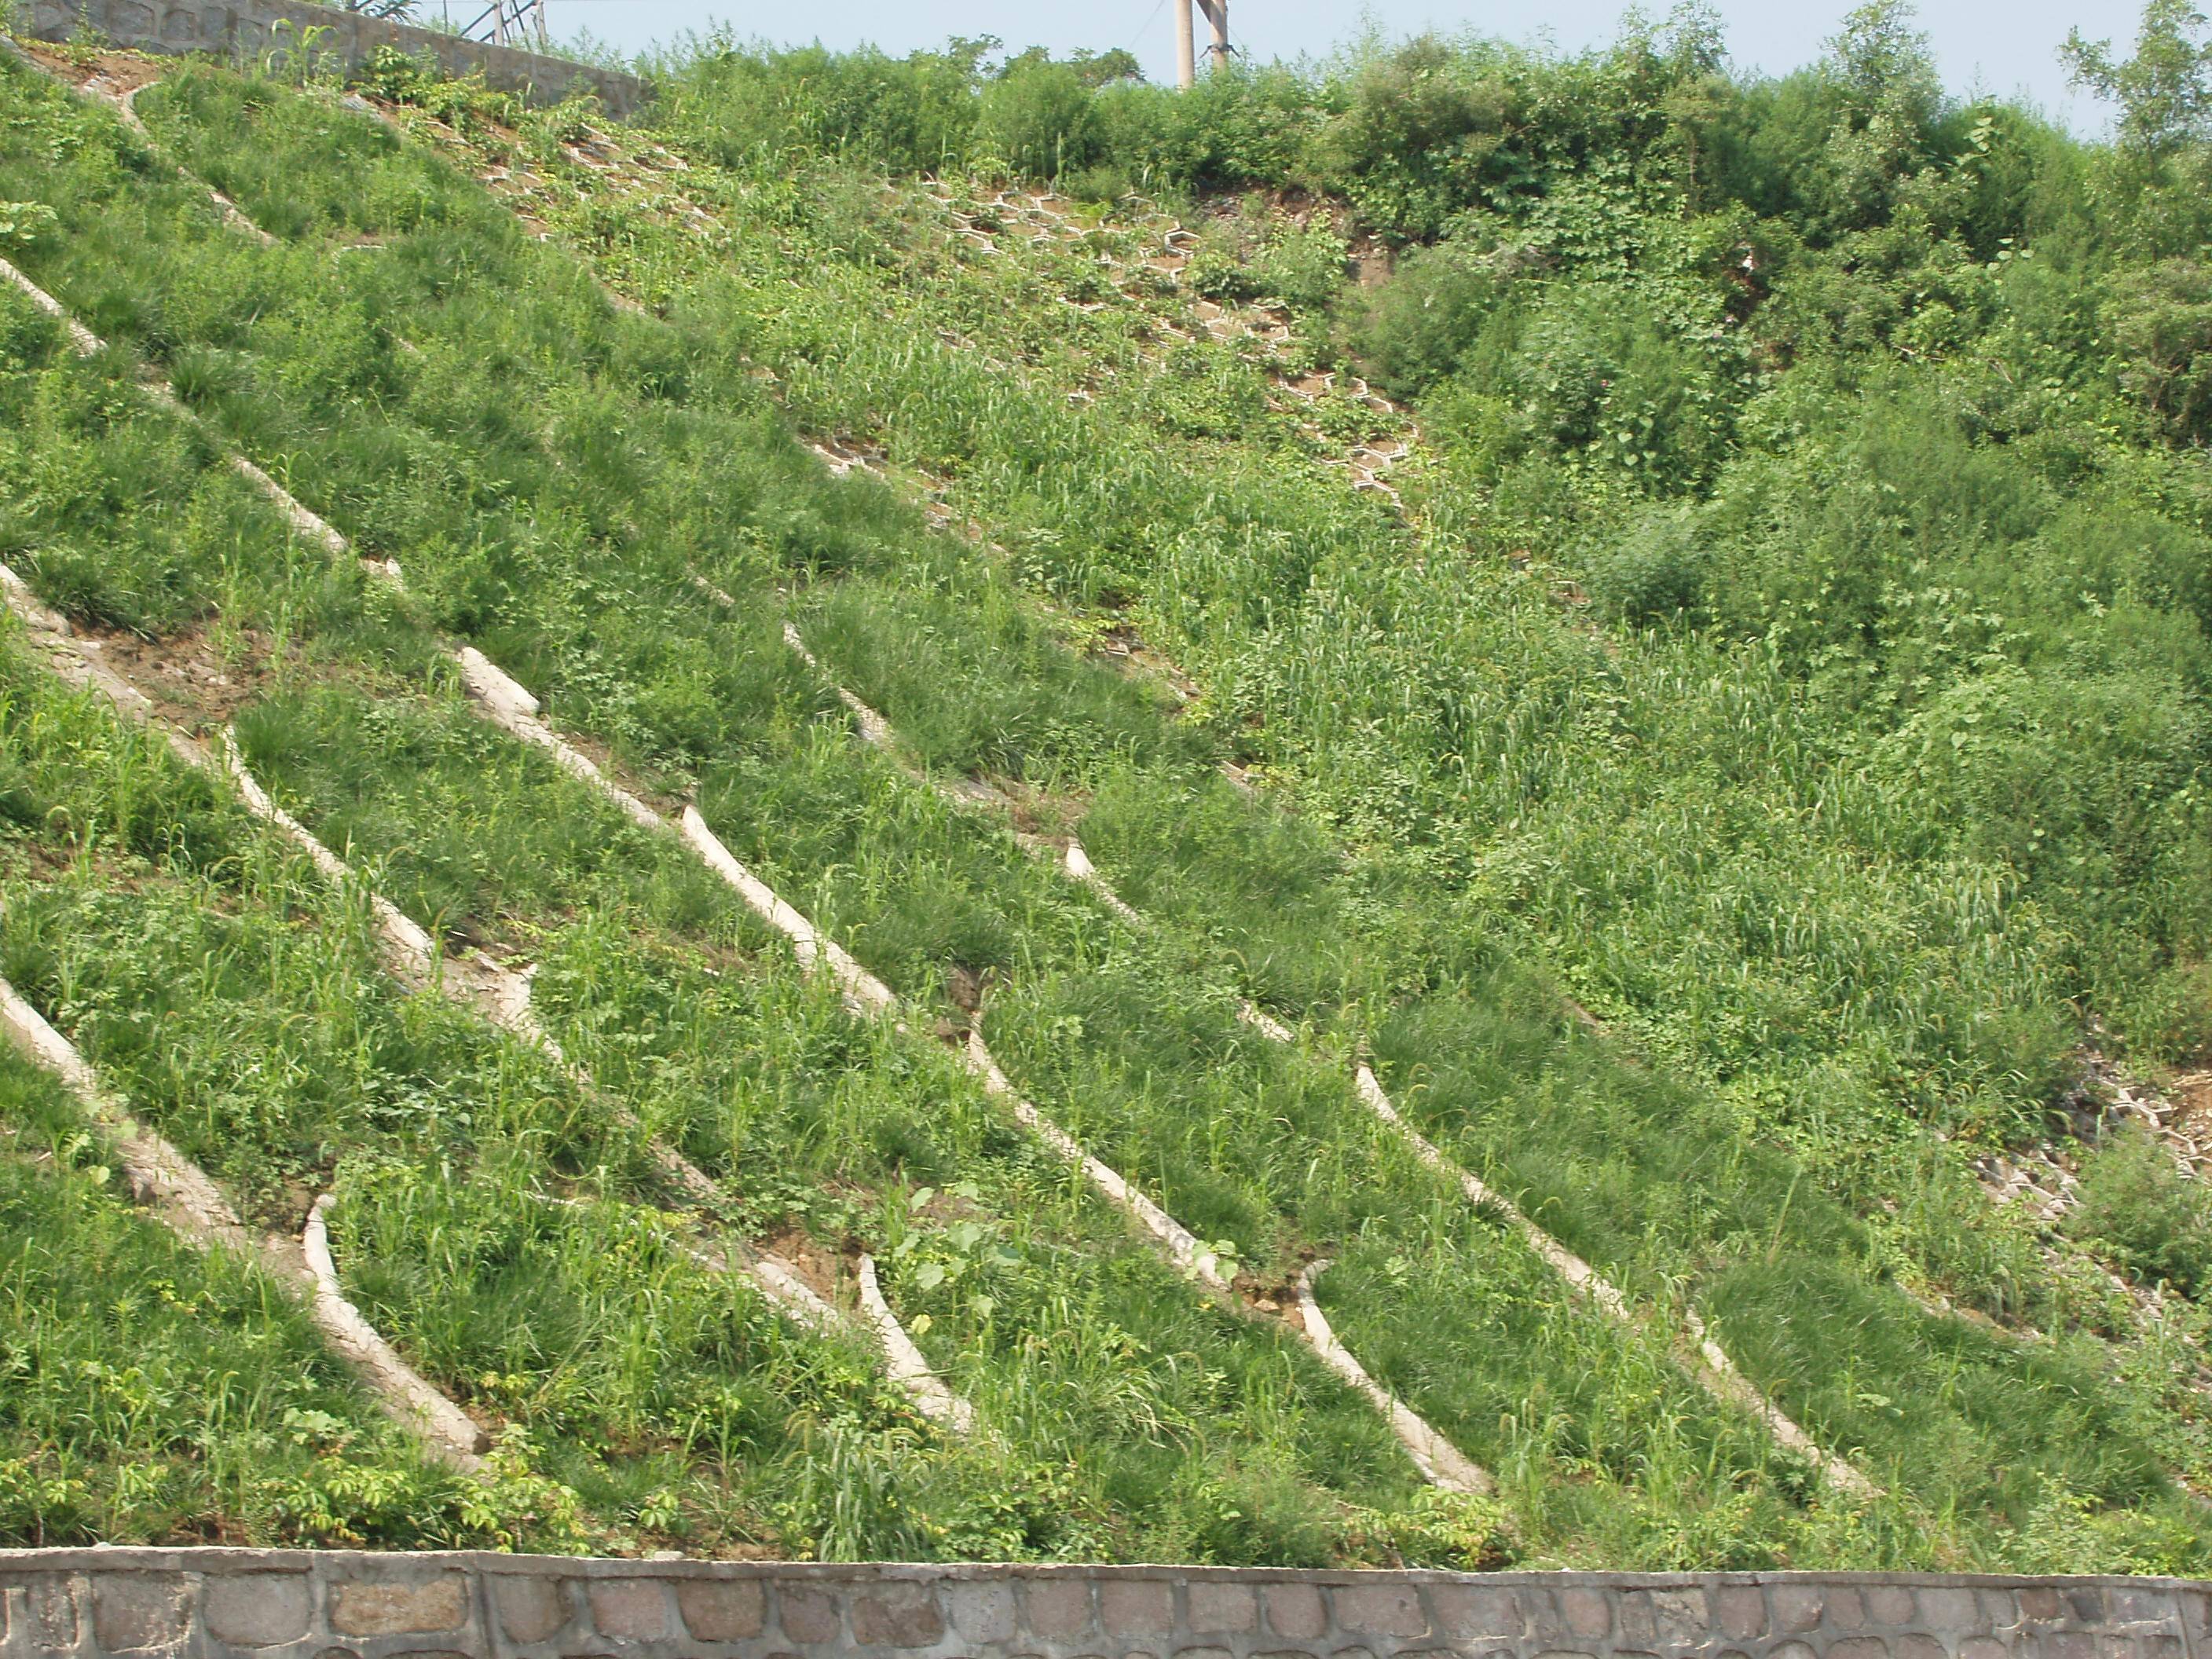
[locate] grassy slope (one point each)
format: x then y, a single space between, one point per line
922 887
814 785
1945 1228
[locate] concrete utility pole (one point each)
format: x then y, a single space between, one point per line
506 21
1217 13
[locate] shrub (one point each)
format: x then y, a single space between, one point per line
1654 573
1037 118
1419 125
1416 326
2160 323
2138 1210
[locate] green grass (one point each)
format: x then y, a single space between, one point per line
190 1400
552 474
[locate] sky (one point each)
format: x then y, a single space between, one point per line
2009 48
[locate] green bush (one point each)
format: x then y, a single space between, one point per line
1414 328
1653 573
1037 117
2160 323
2141 1212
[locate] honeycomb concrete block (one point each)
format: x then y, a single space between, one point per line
1949 1612
148 1613
50 1611
1295 1611
1057 1608
1739 1611
1476 1617
1886 1604
1793 1608
2135 1605
1845 1607
631 1610
531 1609
1134 1607
1380 1609
808 1614
1589 1613
1216 1605
896 1615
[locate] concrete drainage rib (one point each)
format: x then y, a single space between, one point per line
1439 1461
407 948
1713 1369
124 102
86 343
1179 1241
511 707
83 339
180 1193
503 996
438 1418
159 1176
877 732
906 1364
1711 1365
874 728
867 995
494 992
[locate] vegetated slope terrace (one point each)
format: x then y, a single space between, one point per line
609 506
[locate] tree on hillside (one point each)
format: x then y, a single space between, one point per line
2164 91
1885 64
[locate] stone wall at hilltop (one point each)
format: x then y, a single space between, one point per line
248 29
132 1603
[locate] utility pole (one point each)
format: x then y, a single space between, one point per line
1217 13
504 23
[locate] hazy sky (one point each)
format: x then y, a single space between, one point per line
2004 48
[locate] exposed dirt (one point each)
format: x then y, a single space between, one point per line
123 71
193 682
816 1267
1275 1296
2190 1095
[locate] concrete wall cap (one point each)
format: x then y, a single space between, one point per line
339 1564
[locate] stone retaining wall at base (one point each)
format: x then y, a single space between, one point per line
286 1604
248 29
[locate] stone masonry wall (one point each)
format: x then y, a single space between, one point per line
248 29
255 1604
